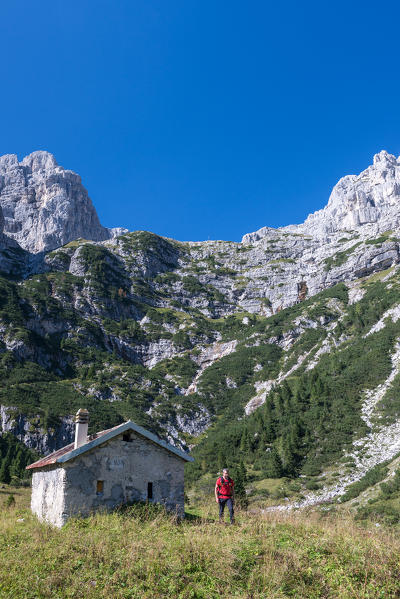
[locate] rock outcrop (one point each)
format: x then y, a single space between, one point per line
13 259
45 205
370 199
32 433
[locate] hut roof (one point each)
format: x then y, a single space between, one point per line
69 453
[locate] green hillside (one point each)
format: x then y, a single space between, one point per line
145 328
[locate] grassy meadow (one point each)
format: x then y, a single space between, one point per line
141 552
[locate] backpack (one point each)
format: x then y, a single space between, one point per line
222 483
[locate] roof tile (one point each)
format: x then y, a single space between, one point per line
61 454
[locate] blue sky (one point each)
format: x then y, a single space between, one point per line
198 119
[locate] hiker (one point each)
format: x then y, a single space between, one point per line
225 495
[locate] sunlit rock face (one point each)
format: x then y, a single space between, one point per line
370 199
45 205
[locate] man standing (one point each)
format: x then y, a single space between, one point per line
225 494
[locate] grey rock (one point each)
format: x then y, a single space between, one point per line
44 205
31 432
370 199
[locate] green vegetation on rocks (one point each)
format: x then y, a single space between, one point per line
341 257
375 475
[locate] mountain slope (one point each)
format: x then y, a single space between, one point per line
281 350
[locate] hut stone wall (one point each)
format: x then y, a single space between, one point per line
47 499
116 472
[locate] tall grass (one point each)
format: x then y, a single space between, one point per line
145 553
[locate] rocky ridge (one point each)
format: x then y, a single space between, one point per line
176 335
370 199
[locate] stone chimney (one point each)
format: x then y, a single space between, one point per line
81 427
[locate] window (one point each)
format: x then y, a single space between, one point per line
127 437
149 491
100 487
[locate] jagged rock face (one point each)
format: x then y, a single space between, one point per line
12 258
44 205
369 199
29 431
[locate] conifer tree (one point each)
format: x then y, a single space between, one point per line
285 391
240 486
17 466
290 461
274 468
222 461
245 442
5 469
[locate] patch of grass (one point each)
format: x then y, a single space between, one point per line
241 283
340 258
378 276
381 239
141 552
385 507
388 408
76 243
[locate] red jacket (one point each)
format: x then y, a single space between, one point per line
225 487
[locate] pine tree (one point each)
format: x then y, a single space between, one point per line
222 461
266 437
245 442
5 469
289 460
17 466
286 393
278 410
274 468
295 432
240 486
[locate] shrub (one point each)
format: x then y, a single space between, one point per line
373 476
10 501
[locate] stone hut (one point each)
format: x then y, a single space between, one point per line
123 464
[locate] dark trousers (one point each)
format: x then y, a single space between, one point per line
222 503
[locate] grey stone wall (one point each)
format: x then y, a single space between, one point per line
125 468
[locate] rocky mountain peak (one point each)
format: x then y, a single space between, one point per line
368 203
39 161
384 157
44 205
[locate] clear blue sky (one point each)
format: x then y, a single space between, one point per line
199 119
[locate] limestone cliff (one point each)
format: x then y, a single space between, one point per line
368 203
45 205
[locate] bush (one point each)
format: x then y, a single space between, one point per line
373 476
10 501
